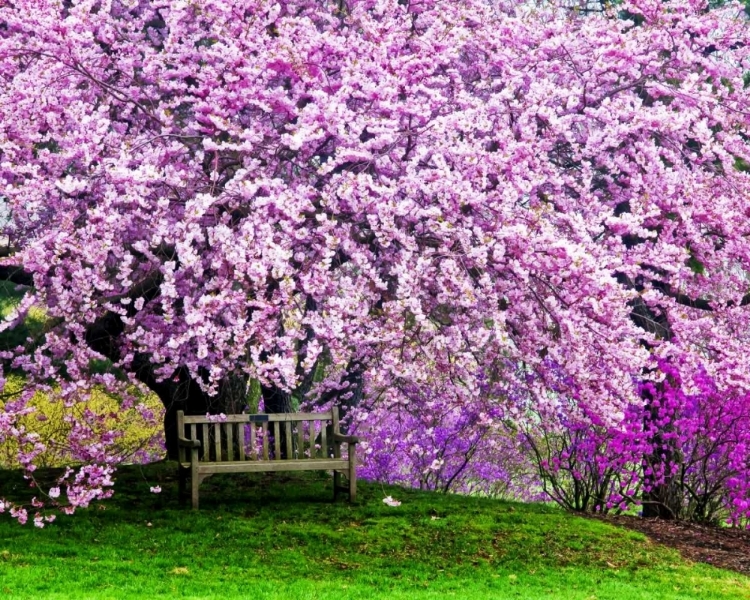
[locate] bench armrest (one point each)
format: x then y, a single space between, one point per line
185 443
349 439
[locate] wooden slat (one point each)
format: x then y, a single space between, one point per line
217 441
319 451
289 440
311 440
230 440
265 444
206 449
253 449
283 417
276 441
244 418
200 419
352 472
335 421
301 440
241 440
193 434
281 465
323 441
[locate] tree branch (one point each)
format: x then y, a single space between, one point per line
16 274
685 300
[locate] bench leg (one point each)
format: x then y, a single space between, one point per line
195 479
352 474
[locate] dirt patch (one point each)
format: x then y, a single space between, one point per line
718 546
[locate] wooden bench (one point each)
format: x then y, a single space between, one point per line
250 443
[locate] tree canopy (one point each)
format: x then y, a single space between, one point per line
388 204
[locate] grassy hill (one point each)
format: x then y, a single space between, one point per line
281 536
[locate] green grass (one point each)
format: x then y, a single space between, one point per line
281 536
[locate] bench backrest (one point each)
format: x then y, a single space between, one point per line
284 436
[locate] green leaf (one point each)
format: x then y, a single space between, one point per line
696 266
101 366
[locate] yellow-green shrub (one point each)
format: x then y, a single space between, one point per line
142 438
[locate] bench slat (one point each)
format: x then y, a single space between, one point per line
289 440
311 435
230 441
295 445
281 465
336 447
206 448
217 441
281 417
301 440
323 441
299 417
241 440
276 441
253 449
265 444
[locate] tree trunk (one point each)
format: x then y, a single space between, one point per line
660 501
183 393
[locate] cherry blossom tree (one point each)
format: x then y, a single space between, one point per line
348 201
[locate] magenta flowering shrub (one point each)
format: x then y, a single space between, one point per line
584 464
351 201
698 437
585 459
686 447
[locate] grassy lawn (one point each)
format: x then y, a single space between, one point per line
281 536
